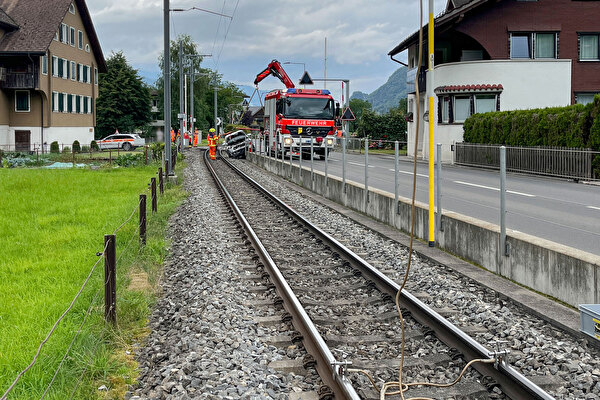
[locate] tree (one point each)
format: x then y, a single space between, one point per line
358 107
389 127
123 98
204 83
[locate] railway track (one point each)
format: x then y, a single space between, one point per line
344 309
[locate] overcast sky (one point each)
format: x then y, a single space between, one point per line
359 35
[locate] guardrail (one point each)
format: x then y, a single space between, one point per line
560 162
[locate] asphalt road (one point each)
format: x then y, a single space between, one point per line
562 211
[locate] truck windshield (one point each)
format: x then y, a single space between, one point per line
309 108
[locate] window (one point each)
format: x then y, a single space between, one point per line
96 76
54 101
80 40
520 45
79 72
54 66
584 98
72 8
78 104
445 109
86 73
533 45
73 70
72 36
87 48
65 69
64 33
70 103
22 101
462 108
545 45
485 103
56 36
85 104
588 47
89 105
45 64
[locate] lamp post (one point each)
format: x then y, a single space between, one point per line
298 63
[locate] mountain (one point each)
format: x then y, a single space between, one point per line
387 95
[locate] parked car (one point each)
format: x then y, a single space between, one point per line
125 141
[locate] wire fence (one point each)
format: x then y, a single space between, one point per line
110 275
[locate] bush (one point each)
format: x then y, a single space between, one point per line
66 150
54 148
85 149
130 160
94 146
76 147
572 126
157 149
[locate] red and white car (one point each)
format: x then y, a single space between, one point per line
125 141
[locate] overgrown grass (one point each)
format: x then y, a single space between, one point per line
52 224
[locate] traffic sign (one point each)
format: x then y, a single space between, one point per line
180 116
306 79
348 115
219 121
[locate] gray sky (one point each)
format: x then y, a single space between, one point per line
359 36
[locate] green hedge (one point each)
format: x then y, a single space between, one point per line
571 126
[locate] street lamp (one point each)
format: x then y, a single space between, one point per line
298 63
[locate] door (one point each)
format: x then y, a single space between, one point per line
22 140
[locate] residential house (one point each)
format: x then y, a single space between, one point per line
502 55
50 58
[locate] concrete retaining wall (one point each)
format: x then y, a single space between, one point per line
559 271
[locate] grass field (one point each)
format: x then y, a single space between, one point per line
52 224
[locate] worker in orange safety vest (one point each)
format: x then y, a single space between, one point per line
172 135
212 143
196 137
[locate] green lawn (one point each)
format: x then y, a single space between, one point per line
52 224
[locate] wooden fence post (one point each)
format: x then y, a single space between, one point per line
154 199
161 186
110 279
143 219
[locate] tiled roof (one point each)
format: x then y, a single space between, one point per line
469 88
38 21
7 21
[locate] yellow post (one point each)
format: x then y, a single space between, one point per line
431 113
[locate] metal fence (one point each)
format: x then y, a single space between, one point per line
561 162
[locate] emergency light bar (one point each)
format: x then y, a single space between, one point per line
308 91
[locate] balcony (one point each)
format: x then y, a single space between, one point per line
20 80
411 74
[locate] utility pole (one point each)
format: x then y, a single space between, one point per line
167 88
216 131
432 114
181 97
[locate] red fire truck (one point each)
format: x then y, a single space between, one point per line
297 115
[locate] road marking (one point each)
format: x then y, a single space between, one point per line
493 188
360 165
410 173
594 208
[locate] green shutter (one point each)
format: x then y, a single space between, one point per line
78 104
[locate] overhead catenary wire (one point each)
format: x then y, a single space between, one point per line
227 32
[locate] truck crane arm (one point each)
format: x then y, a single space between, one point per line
275 69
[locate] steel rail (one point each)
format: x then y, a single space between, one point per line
326 364
512 382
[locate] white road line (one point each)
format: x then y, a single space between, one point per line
593 208
360 165
410 173
493 188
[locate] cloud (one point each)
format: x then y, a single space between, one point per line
359 35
